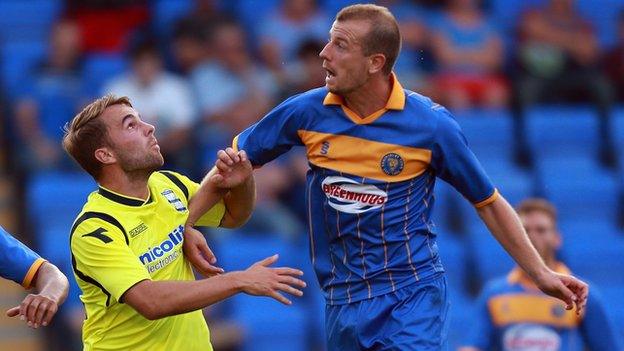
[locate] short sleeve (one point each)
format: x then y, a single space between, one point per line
213 217
101 254
480 331
272 136
17 262
455 163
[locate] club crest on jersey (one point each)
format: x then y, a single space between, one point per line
347 195
174 200
392 164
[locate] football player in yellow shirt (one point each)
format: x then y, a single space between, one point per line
137 286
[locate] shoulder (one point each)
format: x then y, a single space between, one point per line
98 226
313 97
429 111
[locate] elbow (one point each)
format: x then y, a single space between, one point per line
151 310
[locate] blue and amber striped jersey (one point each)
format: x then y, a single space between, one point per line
17 262
513 315
370 185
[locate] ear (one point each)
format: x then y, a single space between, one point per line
376 63
105 155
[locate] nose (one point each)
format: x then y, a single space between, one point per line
324 53
149 128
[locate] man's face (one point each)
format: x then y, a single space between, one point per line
132 141
542 232
343 57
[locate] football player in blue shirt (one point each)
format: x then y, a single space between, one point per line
23 266
375 151
513 314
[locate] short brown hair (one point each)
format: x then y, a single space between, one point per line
537 205
86 133
383 37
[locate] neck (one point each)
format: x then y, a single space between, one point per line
131 184
370 97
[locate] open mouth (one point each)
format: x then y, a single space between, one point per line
329 73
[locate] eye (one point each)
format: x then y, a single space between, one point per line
131 125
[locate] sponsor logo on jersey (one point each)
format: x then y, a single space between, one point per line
174 200
347 195
164 253
392 164
531 337
137 230
325 148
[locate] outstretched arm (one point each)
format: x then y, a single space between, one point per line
38 309
158 299
231 180
504 224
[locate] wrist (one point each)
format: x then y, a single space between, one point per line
236 280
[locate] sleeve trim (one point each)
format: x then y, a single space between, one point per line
235 143
489 200
31 272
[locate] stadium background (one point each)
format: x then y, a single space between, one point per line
203 70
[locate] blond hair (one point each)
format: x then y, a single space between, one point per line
531 205
383 37
86 133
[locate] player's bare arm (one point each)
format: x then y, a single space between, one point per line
231 180
504 224
158 299
38 309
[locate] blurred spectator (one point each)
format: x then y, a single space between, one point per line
558 57
614 63
512 314
164 100
52 93
107 25
469 53
307 71
283 30
190 44
415 61
232 89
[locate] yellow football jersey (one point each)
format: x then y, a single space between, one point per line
118 241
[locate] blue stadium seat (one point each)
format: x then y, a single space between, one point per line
489 132
557 131
16 26
612 296
489 258
580 188
53 201
99 68
603 15
461 316
593 250
617 135
454 258
268 324
166 12
18 58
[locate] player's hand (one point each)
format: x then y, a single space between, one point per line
233 168
198 253
262 280
567 288
37 310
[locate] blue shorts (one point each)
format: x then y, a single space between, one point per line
411 318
